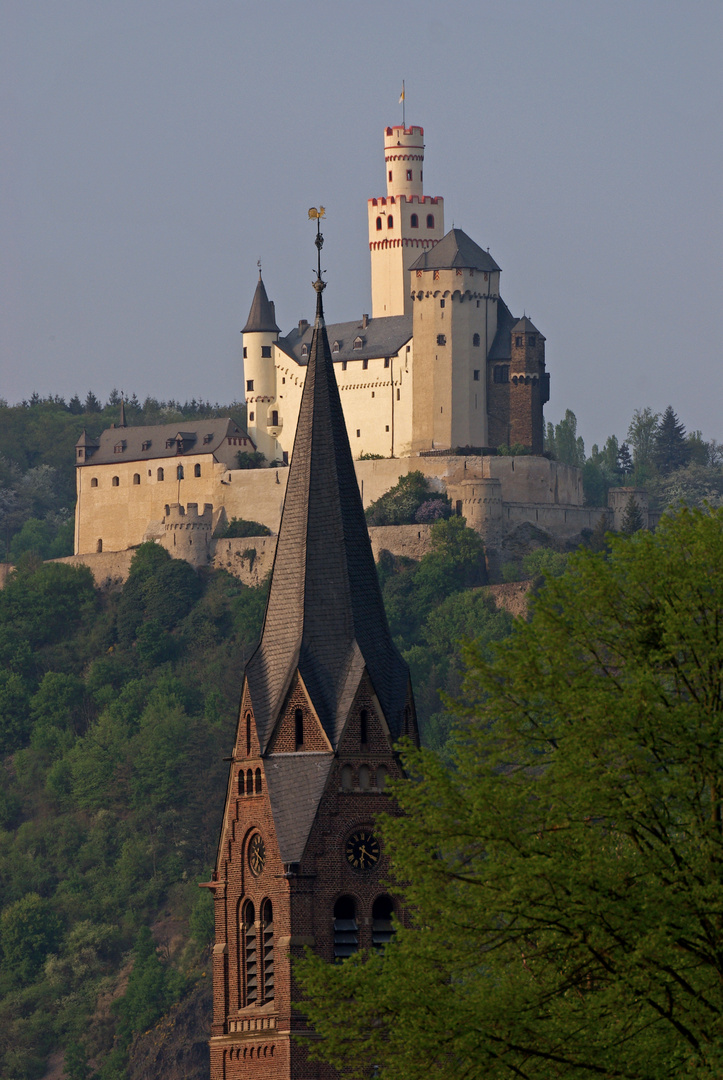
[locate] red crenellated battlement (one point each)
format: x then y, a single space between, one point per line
389 200
413 130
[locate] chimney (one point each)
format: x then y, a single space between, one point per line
365 321
303 325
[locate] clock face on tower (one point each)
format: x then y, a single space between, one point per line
362 850
257 855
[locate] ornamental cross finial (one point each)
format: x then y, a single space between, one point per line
317 215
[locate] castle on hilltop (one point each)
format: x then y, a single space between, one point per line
438 378
440 364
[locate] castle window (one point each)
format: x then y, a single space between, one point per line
99 546
343 365
207 439
136 478
246 353
358 433
365 365
441 339
430 221
248 734
274 418
304 350
531 339
386 361
347 778
379 224
299 729
267 945
501 373
159 474
94 481
475 340
197 470
387 428
398 393
409 174
475 374
251 416
119 447
115 481
249 940
257 782
518 340
179 472
346 930
249 385
414 222
441 303
241 782
266 352
390 176
382 927
390 221
335 347
421 175
358 342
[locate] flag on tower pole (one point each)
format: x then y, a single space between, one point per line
403 104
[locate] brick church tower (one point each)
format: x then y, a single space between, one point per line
324 698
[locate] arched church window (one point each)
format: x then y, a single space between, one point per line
364 777
257 782
430 221
136 478
382 927
346 929
363 725
159 474
241 782
299 728
248 734
115 481
414 221
196 470
267 945
475 340
381 777
250 782
379 224
347 778
179 472
94 481
250 953
390 221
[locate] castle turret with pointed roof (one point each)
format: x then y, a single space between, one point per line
325 698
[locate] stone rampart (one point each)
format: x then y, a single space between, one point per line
109 568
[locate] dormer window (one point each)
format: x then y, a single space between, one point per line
207 439
169 443
358 342
335 347
304 350
119 447
146 444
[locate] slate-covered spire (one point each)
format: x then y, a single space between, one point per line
325 615
262 316
122 420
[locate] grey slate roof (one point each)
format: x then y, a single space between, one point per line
380 337
325 615
201 437
525 326
295 784
262 315
454 250
501 345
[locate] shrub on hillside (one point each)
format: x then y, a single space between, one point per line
239 527
399 505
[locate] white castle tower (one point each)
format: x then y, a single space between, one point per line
259 336
403 224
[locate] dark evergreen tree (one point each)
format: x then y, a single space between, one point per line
625 460
92 405
671 450
75 405
632 518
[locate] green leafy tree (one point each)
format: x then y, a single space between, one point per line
563 441
239 527
399 505
250 459
14 712
152 989
563 876
29 930
642 434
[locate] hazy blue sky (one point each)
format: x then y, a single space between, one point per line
153 150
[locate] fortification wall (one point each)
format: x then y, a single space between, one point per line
248 558
412 541
109 568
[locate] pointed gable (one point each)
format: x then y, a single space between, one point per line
325 615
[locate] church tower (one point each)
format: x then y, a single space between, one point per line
325 697
259 335
403 223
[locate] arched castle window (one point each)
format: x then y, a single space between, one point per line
115 481
94 481
248 734
179 472
346 930
430 221
379 224
267 945
299 728
414 221
382 928
136 478
257 782
196 470
363 725
390 221
159 474
250 954
475 340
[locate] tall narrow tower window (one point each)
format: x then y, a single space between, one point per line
274 418
363 726
249 385
390 221
179 472
197 470
390 176
430 221
299 729
409 174
414 222
382 928
250 960
475 340
379 224
346 929
159 474
248 734
267 945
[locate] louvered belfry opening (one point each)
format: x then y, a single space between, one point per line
382 927
250 961
267 935
346 928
